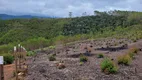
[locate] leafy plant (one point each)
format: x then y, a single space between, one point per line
124 59
31 53
8 58
108 66
52 47
83 58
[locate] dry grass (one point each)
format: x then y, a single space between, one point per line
124 59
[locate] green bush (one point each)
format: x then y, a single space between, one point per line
51 58
124 59
108 66
31 53
83 58
100 55
52 47
8 58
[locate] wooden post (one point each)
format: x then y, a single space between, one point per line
15 55
1 68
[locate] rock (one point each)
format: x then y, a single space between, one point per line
20 74
61 66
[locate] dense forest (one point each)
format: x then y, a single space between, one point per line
36 33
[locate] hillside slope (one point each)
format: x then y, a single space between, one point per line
118 24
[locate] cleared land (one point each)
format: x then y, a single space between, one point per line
40 68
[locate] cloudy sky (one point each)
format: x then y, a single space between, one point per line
61 8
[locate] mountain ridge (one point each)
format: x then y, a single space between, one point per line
7 16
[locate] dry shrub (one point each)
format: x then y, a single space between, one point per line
124 59
134 50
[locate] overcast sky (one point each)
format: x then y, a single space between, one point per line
61 8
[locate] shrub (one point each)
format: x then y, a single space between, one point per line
125 59
31 53
8 58
52 47
134 50
108 66
100 56
83 58
51 58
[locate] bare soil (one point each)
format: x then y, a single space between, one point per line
40 68
8 71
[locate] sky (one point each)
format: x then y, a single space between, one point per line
61 8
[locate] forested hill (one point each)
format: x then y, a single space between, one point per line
103 24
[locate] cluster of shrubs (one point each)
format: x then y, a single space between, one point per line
127 58
108 66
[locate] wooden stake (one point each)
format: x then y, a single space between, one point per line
1 72
16 72
1 68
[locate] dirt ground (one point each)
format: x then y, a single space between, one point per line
8 71
40 68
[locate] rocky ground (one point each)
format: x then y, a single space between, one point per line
40 68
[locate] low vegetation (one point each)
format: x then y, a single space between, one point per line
52 57
134 50
83 58
31 53
8 58
131 54
52 47
124 59
100 55
108 66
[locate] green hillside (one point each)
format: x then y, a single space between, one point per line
36 33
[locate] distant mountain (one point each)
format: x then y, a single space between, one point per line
5 16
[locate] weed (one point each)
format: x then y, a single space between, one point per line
31 53
83 58
108 66
100 55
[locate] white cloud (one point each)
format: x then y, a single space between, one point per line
61 8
